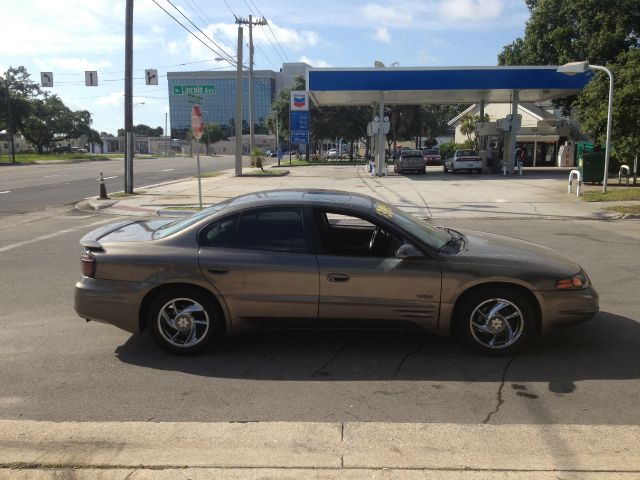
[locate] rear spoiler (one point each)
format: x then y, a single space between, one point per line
90 240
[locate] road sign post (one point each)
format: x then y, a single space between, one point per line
197 127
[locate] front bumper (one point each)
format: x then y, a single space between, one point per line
109 301
561 308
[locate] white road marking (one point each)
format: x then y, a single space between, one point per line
168 170
51 235
6 191
107 178
499 200
54 175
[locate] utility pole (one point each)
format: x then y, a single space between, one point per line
239 105
128 99
252 113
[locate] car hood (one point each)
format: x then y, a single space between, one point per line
495 249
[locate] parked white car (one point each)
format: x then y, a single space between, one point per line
463 160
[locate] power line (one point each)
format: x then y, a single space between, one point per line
271 30
205 35
231 60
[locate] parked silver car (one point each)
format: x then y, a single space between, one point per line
319 258
412 160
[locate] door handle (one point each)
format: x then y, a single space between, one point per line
338 277
218 270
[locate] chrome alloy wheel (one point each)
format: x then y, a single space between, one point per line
183 322
496 323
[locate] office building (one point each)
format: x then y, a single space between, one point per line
215 92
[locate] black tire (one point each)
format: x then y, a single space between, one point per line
205 310
517 312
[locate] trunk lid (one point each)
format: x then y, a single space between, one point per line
126 231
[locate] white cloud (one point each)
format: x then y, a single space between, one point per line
470 10
387 16
115 99
383 35
225 36
314 63
72 64
173 48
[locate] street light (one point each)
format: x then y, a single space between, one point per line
573 68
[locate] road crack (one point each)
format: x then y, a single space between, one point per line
499 398
322 371
406 356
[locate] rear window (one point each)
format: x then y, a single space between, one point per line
466 153
179 225
431 152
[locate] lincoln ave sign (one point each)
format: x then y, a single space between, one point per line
194 90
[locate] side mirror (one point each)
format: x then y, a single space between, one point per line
408 251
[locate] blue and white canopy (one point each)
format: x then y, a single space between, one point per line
422 85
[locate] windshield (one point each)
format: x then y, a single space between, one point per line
179 225
423 230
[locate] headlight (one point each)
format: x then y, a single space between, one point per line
579 280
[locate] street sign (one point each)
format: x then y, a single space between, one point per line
194 90
197 122
151 76
194 99
46 79
91 78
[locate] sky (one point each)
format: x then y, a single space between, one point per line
68 37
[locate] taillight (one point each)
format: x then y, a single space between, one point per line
88 261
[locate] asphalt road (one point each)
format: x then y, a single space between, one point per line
31 187
54 366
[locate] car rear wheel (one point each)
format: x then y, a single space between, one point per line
184 321
496 322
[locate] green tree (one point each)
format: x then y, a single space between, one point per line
468 128
561 31
212 133
144 131
16 91
593 107
602 32
52 121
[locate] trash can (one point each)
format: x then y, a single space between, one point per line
590 162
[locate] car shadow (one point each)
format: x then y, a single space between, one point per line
607 347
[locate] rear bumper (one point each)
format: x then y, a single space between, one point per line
563 308
109 301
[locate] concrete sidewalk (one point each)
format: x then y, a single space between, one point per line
536 194
292 450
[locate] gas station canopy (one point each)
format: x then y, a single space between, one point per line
421 85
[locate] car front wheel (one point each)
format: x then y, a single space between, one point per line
496 322
184 321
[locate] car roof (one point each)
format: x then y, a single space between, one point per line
411 152
317 197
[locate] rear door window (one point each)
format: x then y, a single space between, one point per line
277 229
